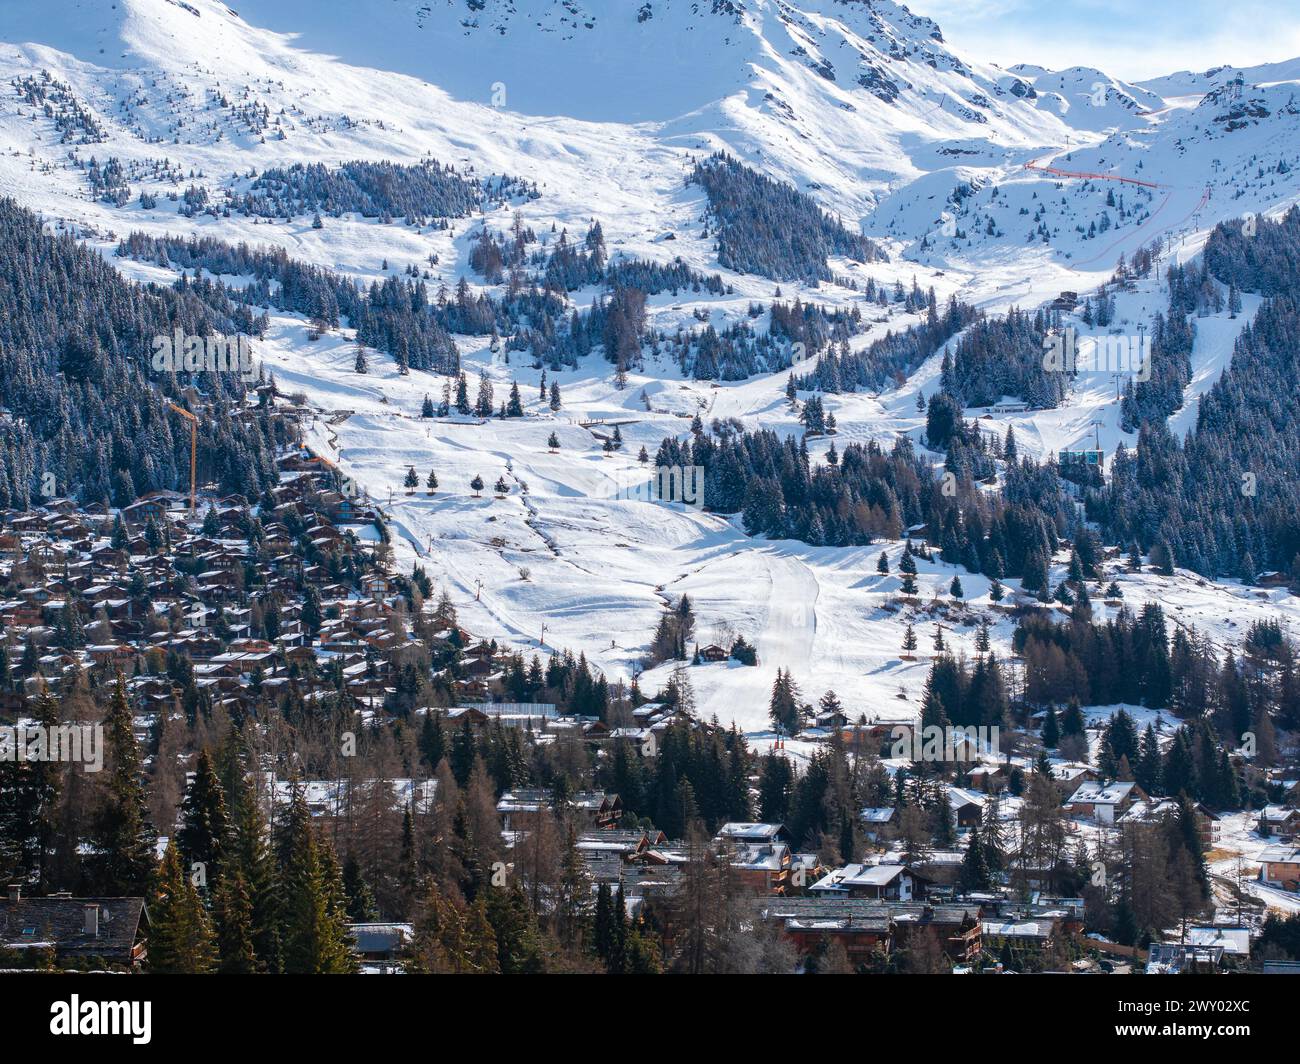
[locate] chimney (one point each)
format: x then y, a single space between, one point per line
15 893
91 910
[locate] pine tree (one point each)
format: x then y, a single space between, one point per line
1051 732
431 482
40 817
775 787
361 899
180 935
211 522
1072 722
433 740
71 634
1148 770
205 825
123 842
233 913
941 817
518 941
1162 557
783 707
412 480
974 872
909 640
603 931
251 860
314 906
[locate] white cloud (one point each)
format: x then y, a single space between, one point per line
1126 40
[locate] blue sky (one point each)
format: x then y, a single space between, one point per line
1131 39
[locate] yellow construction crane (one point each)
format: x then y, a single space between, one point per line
194 437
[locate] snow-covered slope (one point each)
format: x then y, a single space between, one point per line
860 103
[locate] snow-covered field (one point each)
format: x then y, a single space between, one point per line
600 568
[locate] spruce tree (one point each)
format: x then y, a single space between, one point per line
180 934
909 640
252 861
41 815
1051 732
122 863
232 910
361 899
974 872
205 825
313 900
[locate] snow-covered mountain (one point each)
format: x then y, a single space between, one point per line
605 105
861 103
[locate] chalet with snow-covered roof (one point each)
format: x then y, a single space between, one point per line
988 777
877 821
145 510
1279 822
377 585
880 882
1279 866
967 806
1070 775
772 867
751 834
520 807
1232 939
1102 801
